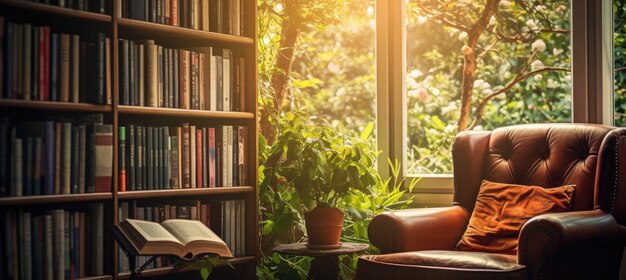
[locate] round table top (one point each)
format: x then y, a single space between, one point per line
300 249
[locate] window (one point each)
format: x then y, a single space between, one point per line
535 65
619 55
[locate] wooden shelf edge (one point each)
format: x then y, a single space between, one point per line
174 31
55 106
56 10
127 195
164 270
152 111
49 199
101 277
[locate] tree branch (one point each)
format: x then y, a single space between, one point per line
441 17
517 79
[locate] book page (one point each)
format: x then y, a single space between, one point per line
152 231
197 237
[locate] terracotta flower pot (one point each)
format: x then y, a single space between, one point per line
323 225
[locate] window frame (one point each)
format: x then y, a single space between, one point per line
592 84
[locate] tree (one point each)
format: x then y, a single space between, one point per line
466 16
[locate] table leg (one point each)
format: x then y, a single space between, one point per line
324 268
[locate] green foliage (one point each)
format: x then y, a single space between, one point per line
282 208
320 166
521 32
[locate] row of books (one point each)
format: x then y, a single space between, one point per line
228 221
42 64
96 6
69 156
53 244
182 157
223 16
154 76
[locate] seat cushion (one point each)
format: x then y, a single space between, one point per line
502 209
436 264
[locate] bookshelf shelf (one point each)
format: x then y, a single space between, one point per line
55 11
164 270
50 199
55 106
160 32
169 112
103 277
183 192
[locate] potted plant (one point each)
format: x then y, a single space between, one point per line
322 167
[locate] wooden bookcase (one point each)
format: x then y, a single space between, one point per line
175 37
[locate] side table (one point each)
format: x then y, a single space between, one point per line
325 264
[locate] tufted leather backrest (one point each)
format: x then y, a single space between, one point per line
548 155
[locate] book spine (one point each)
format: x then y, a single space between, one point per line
198 151
75 68
140 76
104 157
132 181
27 33
195 102
107 69
140 157
226 75
174 13
74 160
124 75
66 154
174 162
64 58
38 171
42 62
166 157
54 67
35 63
46 95
82 158
28 166
49 252
150 69
212 175
58 157
8 74
186 164
150 158
101 98
58 244
90 159
159 77
122 159
132 78
98 239
4 154
205 159
170 78
192 153
219 80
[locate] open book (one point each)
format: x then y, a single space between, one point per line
173 237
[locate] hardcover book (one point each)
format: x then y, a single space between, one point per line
182 238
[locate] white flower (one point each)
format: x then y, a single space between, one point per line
279 7
487 91
478 127
500 96
532 25
449 128
421 19
465 2
537 64
540 8
341 91
462 36
505 4
539 45
492 20
448 108
552 84
538 77
556 51
415 73
478 83
567 77
370 10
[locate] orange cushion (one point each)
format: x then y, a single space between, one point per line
502 209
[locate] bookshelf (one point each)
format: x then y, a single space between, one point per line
116 25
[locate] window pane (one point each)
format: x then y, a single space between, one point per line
481 65
619 55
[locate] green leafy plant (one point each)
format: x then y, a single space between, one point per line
320 165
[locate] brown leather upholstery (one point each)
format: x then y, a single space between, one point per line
584 243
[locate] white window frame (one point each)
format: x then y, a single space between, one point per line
592 68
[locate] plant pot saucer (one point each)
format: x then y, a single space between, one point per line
323 247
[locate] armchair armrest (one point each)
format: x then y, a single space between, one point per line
592 233
418 229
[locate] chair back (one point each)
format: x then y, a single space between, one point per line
547 155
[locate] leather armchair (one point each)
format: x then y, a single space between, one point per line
584 243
